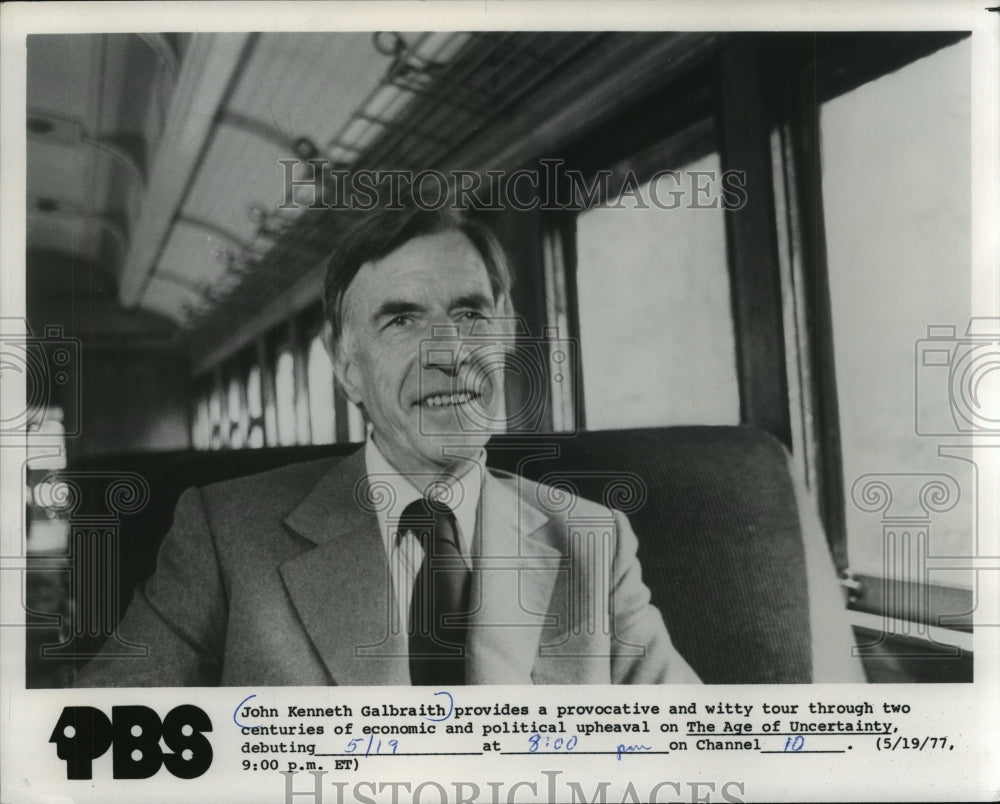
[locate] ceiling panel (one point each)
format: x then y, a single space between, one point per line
91 102
61 75
308 84
131 87
85 177
75 236
191 253
60 172
169 298
239 105
240 170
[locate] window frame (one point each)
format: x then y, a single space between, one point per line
765 93
805 72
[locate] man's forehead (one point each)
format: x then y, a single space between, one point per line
430 264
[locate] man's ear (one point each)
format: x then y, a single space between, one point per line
344 368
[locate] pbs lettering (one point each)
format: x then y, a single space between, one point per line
83 734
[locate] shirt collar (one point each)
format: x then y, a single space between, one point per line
463 498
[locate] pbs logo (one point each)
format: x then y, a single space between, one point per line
83 733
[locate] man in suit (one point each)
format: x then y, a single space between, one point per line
408 561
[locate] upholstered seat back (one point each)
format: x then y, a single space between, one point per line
720 539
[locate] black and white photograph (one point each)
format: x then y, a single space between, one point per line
421 353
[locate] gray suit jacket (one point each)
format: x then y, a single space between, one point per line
281 578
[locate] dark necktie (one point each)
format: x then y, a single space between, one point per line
440 593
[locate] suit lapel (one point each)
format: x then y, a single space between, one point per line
342 592
341 588
515 568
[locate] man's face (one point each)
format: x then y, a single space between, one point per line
419 398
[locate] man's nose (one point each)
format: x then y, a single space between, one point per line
443 349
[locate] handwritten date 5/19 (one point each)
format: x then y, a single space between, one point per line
371 746
914 744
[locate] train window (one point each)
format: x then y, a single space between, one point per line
215 418
267 392
319 372
300 380
255 408
886 219
201 436
284 392
51 426
237 412
652 284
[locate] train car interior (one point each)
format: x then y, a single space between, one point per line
742 307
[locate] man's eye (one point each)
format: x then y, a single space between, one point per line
472 315
399 321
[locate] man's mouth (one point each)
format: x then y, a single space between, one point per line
449 400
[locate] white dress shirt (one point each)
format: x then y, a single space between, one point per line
393 492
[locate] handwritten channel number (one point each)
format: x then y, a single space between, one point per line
796 743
